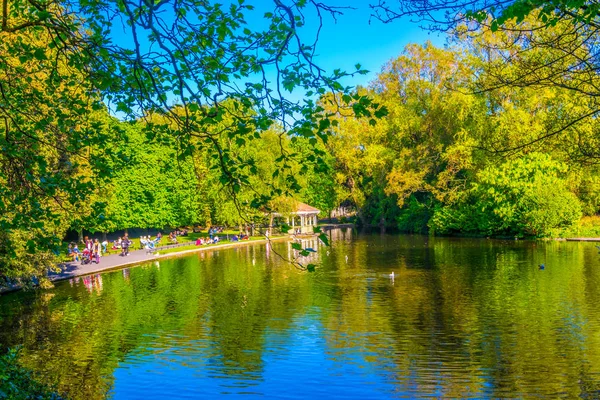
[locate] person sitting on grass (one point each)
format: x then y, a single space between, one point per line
234 238
198 242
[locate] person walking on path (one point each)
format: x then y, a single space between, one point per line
125 245
96 250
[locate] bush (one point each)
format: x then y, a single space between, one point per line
17 382
586 227
414 217
522 197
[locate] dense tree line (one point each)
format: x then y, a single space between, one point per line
493 135
452 158
195 77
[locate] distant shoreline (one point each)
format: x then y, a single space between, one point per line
115 262
153 257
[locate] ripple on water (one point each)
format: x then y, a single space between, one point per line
461 319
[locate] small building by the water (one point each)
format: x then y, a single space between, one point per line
302 218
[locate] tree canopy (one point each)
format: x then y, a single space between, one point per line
117 114
195 74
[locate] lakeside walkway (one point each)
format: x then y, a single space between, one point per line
583 239
115 261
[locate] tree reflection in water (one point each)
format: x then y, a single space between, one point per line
462 318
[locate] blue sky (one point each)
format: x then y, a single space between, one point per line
354 38
357 38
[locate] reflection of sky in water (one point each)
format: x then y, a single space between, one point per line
297 364
462 318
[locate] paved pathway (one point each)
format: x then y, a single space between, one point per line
585 239
114 261
110 261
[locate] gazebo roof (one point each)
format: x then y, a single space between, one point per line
305 208
301 209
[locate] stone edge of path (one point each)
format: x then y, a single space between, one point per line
102 269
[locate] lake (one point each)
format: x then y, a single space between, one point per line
462 318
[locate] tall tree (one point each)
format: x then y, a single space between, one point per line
63 58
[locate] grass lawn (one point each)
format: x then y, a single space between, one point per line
184 239
190 237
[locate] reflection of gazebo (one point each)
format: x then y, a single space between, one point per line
303 218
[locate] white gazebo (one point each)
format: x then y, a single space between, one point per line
303 218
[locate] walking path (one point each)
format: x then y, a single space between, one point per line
115 261
583 239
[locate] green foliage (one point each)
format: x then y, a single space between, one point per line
66 162
19 383
438 160
414 216
586 227
522 197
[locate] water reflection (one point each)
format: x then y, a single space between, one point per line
461 318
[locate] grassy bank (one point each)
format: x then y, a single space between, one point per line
204 246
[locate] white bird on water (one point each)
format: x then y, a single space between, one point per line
392 276
346 257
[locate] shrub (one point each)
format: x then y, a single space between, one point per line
17 382
522 197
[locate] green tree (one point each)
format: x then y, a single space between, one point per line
522 197
196 68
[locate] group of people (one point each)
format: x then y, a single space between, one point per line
91 251
93 248
214 239
122 243
146 242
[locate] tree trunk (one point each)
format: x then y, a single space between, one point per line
80 236
103 236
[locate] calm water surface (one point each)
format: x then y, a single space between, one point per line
462 319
